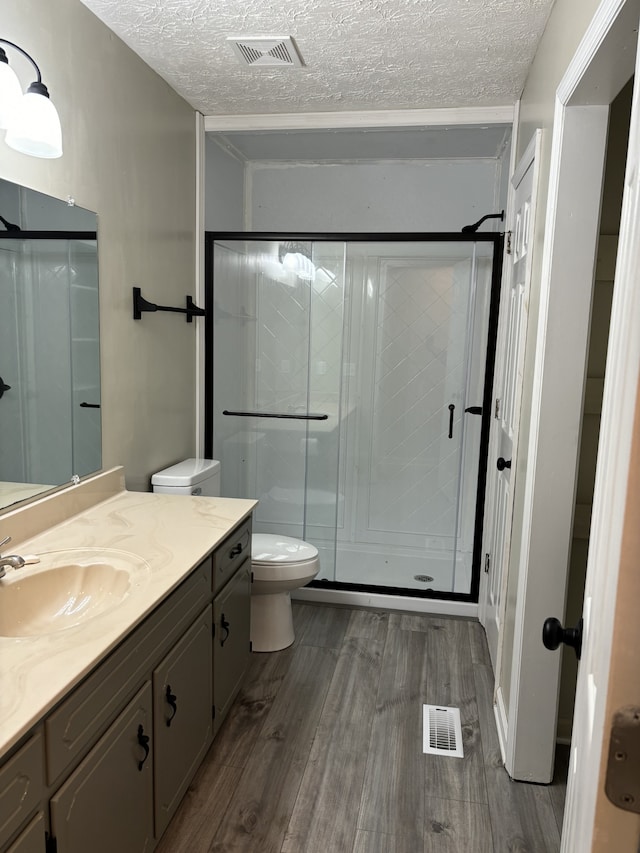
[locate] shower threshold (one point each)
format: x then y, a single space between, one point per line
372 597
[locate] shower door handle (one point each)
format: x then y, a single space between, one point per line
452 409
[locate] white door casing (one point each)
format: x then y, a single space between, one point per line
507 396
601 66
591 822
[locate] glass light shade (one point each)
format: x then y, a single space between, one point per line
35 127
10 94
298 263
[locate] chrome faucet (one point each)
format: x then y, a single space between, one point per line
11 561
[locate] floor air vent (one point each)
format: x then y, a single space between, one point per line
275 51
442 732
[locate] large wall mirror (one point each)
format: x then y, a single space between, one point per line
49 344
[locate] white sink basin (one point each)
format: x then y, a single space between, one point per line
67 588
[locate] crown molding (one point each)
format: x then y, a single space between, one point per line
355 120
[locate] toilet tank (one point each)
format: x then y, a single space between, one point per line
190 477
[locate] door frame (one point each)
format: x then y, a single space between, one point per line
547 467
607 675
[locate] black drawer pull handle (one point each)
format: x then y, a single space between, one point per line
225 627
502 463
143 740
171 701
237 549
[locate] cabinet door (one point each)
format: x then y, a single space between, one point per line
231 649
32 839
107 802
21 787
182 709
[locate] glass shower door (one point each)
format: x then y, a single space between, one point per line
346 382
277 340
411 451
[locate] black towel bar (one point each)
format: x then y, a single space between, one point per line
140 304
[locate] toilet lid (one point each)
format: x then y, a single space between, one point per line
273 548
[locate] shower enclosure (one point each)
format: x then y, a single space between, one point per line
348 389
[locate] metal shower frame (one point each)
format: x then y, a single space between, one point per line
497 241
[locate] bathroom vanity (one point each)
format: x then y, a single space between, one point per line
103 725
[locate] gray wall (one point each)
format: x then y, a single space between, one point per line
428 195
224 188
129 155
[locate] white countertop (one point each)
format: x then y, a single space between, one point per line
172 533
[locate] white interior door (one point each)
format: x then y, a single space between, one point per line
507 397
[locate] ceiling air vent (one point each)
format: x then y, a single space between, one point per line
266 51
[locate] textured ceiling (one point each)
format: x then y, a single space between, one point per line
358 54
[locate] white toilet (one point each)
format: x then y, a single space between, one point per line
279 563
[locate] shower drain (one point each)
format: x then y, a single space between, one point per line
423 578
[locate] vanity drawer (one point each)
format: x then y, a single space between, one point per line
229 556
91 707
21 786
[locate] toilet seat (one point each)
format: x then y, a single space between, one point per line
282 558
269 548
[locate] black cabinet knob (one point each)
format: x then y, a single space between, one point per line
553 635
503 463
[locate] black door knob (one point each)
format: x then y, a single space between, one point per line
503 463
553 635
3 386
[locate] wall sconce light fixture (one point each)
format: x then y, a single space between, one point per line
31 121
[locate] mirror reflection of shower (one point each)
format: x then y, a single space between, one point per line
388 341
49 343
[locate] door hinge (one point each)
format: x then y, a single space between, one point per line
250 646
622 782
496 411
508 243
213 712
251 577
213 629
487 562
50 843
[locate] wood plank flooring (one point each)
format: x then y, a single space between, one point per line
322 750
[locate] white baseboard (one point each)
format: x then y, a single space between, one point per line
387 602
500 713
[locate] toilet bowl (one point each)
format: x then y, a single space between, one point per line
279 564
